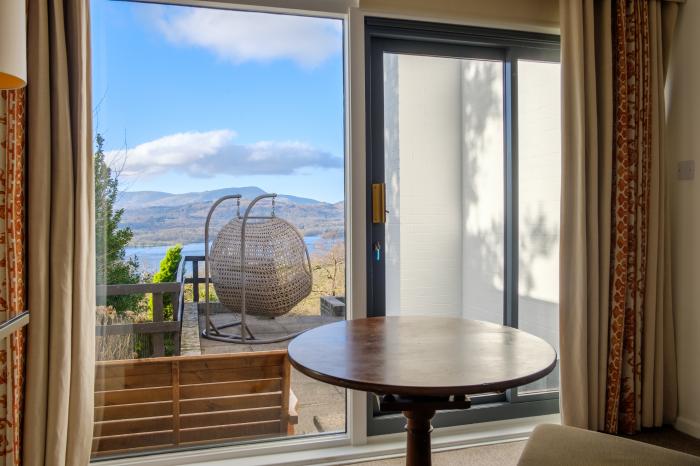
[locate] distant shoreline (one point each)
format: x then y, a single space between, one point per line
149 257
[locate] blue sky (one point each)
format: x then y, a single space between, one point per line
191 99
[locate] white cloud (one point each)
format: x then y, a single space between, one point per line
206 154
245 36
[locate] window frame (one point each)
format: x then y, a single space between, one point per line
384 35
354 424
354 443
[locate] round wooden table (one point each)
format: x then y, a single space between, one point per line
418 365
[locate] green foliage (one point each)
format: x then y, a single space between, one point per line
111 240
168 273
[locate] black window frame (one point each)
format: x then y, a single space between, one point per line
445 40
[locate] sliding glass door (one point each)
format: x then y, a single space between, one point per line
463 187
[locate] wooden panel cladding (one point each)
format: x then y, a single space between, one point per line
159 403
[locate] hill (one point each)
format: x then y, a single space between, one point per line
160 218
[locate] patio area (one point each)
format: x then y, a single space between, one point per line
321 407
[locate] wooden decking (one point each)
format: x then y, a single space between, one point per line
198 397
321 406
161 403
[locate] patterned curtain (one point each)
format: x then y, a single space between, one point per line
633 240
616 329
12 291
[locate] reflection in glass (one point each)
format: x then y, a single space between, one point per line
443 120
539 153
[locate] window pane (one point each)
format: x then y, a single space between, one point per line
539 169
192 104
443 120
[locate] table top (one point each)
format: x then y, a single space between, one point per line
421 356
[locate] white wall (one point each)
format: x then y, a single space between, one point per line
424 184
444 173
539 174
482 190
683 136
444 167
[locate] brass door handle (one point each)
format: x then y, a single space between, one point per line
379 203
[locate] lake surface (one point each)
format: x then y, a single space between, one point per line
150 256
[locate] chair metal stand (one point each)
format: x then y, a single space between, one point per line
211 330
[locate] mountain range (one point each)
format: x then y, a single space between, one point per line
159 218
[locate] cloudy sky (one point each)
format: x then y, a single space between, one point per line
191 99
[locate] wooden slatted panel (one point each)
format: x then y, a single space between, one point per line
133 381
231 361
228 403
240 416
127 442
138 395
224 441
175 368
163 402
230 388
229 431
229 375
136 367
133 426
130 411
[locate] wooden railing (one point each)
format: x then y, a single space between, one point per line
195 279
163 403
159 327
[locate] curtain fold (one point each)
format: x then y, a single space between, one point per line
587 118
616 325
12 286
61 257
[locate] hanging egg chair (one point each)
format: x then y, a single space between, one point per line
277 270
259 266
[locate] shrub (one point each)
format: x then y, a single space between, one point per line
167 273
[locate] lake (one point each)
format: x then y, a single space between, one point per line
150 256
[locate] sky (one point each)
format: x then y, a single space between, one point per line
195 99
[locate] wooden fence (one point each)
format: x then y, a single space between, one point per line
163 403
159 327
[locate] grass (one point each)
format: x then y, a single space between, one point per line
111 347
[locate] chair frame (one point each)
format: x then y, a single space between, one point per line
211 330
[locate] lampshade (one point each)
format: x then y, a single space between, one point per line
13 44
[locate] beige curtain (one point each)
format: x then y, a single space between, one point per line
61 265
616 324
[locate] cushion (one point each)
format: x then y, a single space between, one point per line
562 445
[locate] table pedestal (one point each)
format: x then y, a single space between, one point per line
418 431
418 412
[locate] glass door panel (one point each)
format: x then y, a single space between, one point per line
463 141
443 169
539 172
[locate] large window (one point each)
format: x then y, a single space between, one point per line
191 105
464 136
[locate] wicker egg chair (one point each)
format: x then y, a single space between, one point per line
259 266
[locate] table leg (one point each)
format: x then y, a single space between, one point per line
418 431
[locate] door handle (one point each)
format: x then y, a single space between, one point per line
378 203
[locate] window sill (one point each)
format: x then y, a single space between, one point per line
336 449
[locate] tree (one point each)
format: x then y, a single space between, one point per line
330 268
113 267
168 273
